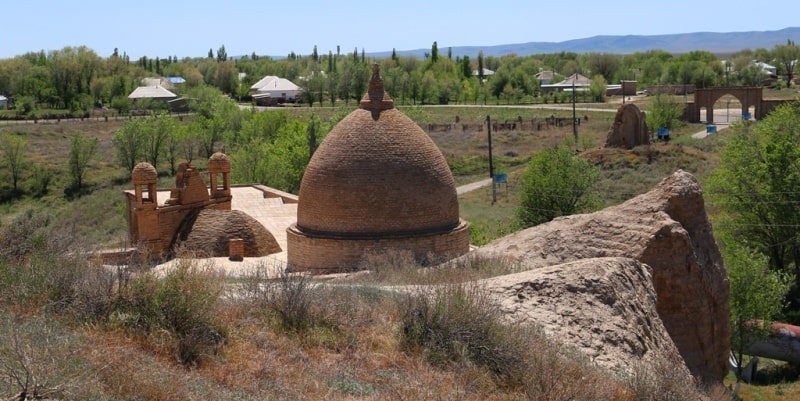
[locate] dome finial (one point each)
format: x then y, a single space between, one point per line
376 98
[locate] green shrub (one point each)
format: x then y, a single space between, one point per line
312 311
40 180
42 268
460 326
457 324
185 303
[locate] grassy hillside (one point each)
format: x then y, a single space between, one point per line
84 332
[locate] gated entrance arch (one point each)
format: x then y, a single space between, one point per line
747 95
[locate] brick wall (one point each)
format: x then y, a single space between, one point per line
328 255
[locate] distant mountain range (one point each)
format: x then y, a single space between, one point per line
715 42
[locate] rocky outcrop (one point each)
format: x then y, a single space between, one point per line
604 307
667 229
207 234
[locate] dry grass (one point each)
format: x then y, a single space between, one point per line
351 346
398 267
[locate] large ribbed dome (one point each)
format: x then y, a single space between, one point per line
377 173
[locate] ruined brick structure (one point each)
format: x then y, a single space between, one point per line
376 182
196 216
629 129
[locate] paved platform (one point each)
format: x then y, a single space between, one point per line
272 213
276 215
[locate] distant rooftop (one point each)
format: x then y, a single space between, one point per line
151 92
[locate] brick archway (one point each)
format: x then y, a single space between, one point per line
747 95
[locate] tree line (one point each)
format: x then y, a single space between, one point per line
78 79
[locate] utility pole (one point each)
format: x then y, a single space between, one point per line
574 118
491 166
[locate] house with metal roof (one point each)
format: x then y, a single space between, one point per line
770 70
576 81
272 89
152 92
545 77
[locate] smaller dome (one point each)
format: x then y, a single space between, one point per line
144 173
219 163
208 233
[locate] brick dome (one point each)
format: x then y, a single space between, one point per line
144 173
219 163
377 182
377 173
207 234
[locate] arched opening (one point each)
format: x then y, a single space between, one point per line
727 109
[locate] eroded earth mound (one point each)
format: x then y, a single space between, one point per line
666 229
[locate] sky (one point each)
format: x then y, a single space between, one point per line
276 28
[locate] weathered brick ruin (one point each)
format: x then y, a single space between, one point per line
629 129
376 182
196 217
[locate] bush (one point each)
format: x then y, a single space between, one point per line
40 180
658 381
185 303
459 326
298 303
456 324
556 183
665 112
40 359
42 268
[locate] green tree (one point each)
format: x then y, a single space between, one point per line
81 152
664 111
222 54
756 187
605 64
122 104
466 67
209 132
756 297
156 132
498 83
557 182
129 143
13 147
226 78
361 75
428 88
188 143
172 146
786 57
598 88
481 77
25 106
279 163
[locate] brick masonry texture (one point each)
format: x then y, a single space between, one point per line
376 182
328 255
377 176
